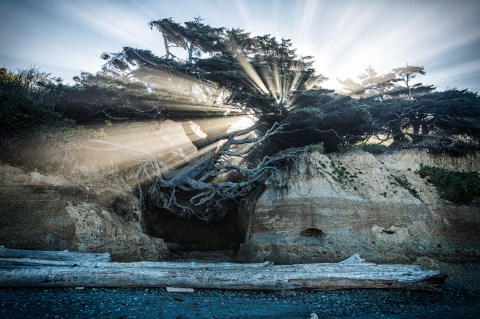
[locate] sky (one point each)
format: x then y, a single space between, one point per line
65 37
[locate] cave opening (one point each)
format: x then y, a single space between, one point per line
195 239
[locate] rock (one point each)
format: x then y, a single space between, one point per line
96 229
55 214
340 204
77 191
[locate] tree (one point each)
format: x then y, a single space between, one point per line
408 73
262 75
171 32
395 108
386 86
371 85
194 36
451 113
441 121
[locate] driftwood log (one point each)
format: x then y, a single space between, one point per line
351 273
53 255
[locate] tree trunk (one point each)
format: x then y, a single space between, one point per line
425 129
416 130
167 49
398 136
190 54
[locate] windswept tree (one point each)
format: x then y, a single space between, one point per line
262 77
194 36
171 32
407 73
393 101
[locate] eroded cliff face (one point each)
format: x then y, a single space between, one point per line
80 194
376 206
334 206
51 213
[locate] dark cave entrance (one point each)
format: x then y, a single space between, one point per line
194 238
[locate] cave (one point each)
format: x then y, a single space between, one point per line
312 232
194 238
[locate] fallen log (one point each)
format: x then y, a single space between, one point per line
351 273
53 255
26 262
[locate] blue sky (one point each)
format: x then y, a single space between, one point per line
65 37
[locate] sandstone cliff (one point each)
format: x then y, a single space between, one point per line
50 213
78 193
376 206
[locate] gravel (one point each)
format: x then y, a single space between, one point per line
157 303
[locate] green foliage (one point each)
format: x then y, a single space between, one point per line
261 72
193 36
453 112
457 187
320 116
27 101
311 110
439 121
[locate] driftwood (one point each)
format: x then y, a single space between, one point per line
53 255
351 273
140 265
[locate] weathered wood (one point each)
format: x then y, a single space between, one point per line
53 255
353 273
253 279
18 262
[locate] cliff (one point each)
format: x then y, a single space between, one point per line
79 191
82 194
376 206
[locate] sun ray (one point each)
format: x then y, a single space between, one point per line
251 73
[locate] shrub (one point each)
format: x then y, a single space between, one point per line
457 187
27 100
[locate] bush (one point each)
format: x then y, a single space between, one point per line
27 100
457 187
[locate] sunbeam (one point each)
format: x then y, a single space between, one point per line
253 76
